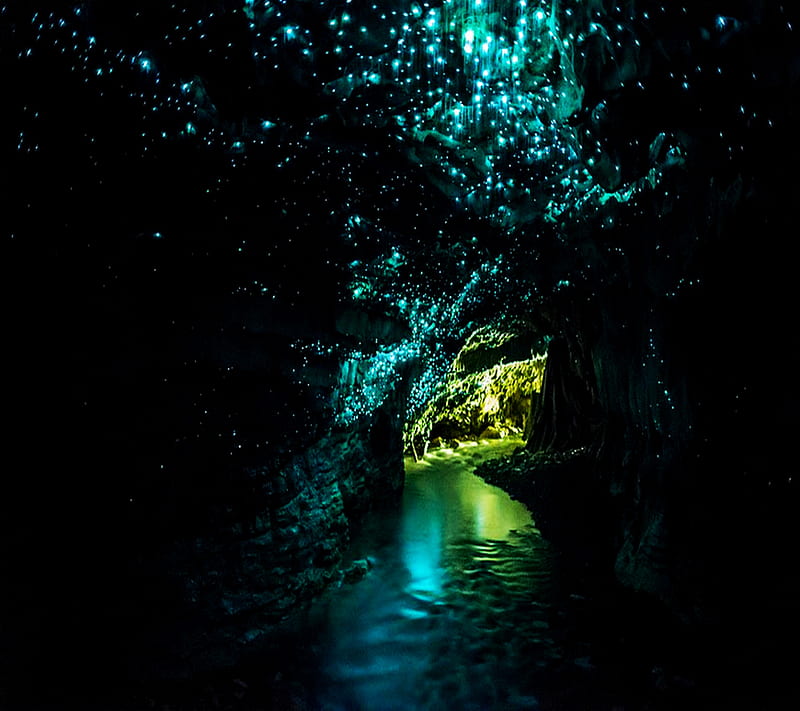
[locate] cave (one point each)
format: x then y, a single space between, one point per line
399 354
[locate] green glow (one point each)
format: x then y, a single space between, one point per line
472 403
248 9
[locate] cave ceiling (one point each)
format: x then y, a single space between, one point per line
435 161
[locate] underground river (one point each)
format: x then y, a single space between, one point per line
465 605
460 603
456 609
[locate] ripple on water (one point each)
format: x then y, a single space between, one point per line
455 611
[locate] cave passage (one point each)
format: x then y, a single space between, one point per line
455 605
258 252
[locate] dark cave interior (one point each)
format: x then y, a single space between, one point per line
255 251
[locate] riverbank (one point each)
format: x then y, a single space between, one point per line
734 657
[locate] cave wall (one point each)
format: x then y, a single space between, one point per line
487 392
183 346
196 487
696 437
233 585
689 436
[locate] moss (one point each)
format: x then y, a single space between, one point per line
490 403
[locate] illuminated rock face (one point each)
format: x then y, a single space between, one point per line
487 394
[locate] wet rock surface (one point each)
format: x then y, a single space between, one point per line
488 392
571 508
726 650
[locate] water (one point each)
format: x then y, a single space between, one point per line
455 611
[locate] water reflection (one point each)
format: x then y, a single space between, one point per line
444 503
454 613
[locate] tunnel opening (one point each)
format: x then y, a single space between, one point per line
489 392
512 379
